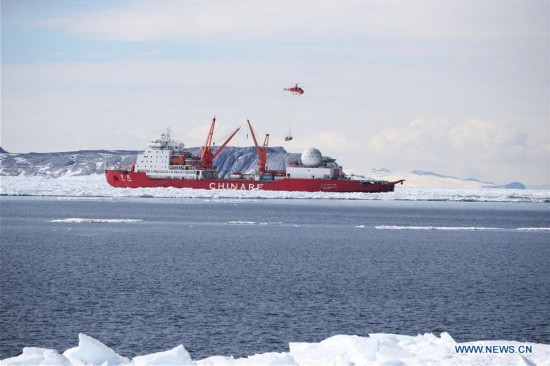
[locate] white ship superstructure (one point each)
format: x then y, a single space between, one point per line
314 166
167 158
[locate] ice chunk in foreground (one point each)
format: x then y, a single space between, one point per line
264 359
336 350
93 352
175 356
37 356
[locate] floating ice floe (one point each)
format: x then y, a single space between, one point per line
78 220
446 228
533 229
254 223
456 228
376 349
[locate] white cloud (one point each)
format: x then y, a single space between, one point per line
470 148
473 148
329 142
300 20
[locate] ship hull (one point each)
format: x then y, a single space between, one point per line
129 179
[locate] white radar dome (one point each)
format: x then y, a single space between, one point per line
311 157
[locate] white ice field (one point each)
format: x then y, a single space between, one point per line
96 186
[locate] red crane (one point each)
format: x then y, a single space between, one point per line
207 156
261 150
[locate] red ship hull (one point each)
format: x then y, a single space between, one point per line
129 179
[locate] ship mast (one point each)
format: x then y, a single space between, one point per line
207 157
261 150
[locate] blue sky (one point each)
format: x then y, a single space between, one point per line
461 88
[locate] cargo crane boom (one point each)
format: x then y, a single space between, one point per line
207 157
261 150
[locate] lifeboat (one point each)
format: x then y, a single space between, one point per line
177 160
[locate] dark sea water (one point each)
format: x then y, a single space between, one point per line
238 277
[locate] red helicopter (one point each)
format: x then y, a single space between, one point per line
295 89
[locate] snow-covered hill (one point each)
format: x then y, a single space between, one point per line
231 159
420 178
61 164
86 162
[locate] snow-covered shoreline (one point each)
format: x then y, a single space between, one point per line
96 186
376 349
